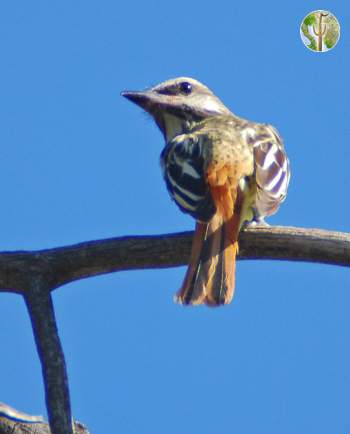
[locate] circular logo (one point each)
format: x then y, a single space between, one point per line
320 31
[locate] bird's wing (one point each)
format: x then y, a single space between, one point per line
272 172
182 164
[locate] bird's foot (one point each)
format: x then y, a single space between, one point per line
257 222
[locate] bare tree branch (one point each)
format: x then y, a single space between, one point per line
8 426
13 421
65 264
42 315
35 274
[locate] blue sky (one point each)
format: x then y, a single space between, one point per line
78 163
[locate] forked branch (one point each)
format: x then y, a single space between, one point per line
34 274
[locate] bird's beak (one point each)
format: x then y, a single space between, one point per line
138 97
149 100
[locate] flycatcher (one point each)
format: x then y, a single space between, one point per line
221 169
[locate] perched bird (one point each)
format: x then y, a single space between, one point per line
219 168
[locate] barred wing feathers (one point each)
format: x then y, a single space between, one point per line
272 172
182 164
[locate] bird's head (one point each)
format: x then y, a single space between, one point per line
177 104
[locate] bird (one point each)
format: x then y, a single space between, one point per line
223 170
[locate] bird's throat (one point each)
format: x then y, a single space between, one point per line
173 126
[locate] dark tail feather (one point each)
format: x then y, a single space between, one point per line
193 290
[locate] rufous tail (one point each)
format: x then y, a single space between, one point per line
210 278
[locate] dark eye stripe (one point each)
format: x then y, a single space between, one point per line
170 90
184 87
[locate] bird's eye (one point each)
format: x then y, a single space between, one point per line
186 87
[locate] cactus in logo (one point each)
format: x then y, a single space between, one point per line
320 31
